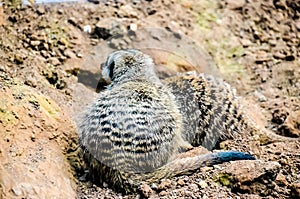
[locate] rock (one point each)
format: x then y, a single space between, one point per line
39 37
60 11
87 29
54 61
205 169
203 184
127 11
40 10
235 4
62 58
36 169
264 75
17 191
246 42
248 171
279 55
79 55
133 27
35 43
61 84
194 187
19 58
108 27
3 68
249 176
164 184
146 190
151 11
94 42
69 53
32 137
102 29
281 180
44 53
175 27
181 182
279 116
290 127
154 186
272 42
262 56
45 46
163 193
280 4
73 21
68 92
30 81
260 96
64 41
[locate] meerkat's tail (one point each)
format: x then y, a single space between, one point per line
187 165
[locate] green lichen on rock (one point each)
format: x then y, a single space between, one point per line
224 179
55 33
7 116
219 41
206 14
13 3
46 105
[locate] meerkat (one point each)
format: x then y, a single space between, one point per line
139 125
212 111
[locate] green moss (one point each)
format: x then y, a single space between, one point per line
7 116
218 40
13 3
55 33
206 15
46 105
224 179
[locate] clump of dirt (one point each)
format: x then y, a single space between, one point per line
50 58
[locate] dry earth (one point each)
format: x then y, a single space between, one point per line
50 58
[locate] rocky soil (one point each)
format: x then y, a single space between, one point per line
50 58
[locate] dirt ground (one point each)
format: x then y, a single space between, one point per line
50 58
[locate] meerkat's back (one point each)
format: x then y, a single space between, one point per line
210 108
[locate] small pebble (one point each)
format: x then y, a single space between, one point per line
165 183
34 43
181 182
79 55
87 29
17 191
146 190
163 193
154 186
133 27
203 184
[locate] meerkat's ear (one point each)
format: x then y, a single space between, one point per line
111 68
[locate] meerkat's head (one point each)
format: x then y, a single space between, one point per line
127 64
